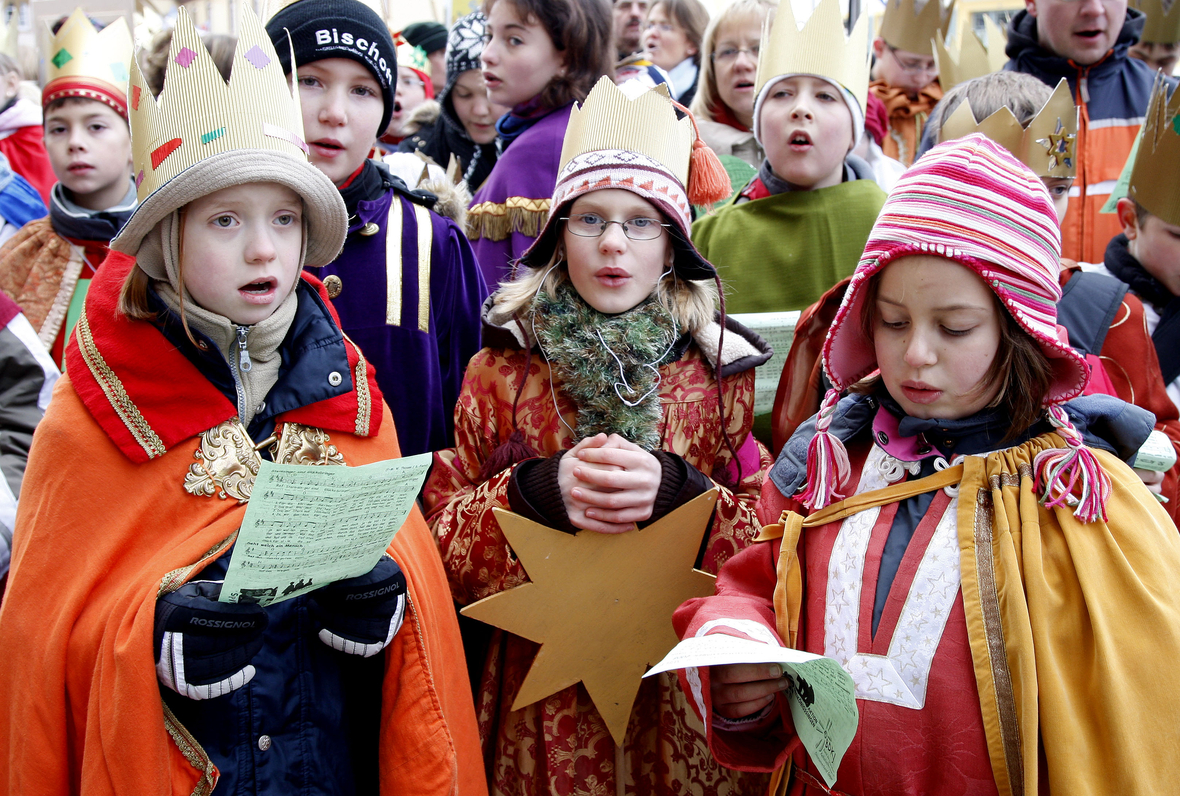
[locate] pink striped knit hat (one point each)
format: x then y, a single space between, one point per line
971 201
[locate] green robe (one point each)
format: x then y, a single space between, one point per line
782 252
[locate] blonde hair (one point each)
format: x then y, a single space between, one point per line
708 101
692 304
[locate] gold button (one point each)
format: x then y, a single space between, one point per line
333 284
370 229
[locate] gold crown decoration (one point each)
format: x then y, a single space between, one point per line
609 119
1048 145
969 57
819 48
906 28
9 35
199 115
1155 178
1163 20
84 62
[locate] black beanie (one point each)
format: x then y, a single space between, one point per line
430 36
338 29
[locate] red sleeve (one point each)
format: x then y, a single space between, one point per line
25 150
742 606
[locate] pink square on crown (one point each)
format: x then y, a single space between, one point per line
185 57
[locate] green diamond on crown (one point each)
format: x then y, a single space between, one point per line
62 58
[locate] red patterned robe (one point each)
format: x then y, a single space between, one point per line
560 745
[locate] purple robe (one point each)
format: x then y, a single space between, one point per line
419 344
510 209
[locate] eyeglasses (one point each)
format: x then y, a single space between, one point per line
662 27
410 82
730 54
590 225
908 65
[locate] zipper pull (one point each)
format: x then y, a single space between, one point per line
244 363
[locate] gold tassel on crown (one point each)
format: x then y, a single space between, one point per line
1155 178
88 63
1162 27
199 115
1048 145
904 27
819 48
969 58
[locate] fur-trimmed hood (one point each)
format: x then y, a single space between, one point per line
744 348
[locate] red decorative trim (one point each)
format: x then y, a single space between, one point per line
163 151
86 88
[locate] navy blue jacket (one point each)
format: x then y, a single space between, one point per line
281 733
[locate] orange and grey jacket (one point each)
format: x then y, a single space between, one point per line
1112 96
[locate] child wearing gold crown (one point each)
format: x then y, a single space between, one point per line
996 582
600 403
47 266
800 225
1146 256
905 72
201 341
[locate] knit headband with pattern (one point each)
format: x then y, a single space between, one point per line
970 201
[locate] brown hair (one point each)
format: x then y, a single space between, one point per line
691 16
1020 365
582 31
707 101
153 60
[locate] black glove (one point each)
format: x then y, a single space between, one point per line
203 647
359 616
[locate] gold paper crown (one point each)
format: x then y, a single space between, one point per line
1155 178
9 33
906 28
820 48
82 57
647 124
971 58
199 115
1161 27
1048 145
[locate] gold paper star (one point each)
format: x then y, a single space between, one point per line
1059 147
600 605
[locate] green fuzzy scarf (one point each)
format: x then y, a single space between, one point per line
578 340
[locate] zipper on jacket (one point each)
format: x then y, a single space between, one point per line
244 366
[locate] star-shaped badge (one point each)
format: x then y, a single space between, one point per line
600 605
1059 147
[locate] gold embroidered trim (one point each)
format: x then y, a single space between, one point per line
425 238
193 753
227 463
113 389
497 221
300 444
61 302
989 599
364 399
178 577
393 264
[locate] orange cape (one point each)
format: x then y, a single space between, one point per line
104 526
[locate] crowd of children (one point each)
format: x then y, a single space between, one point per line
967 495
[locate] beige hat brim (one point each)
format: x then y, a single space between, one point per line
324 211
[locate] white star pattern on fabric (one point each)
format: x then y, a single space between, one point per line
899 678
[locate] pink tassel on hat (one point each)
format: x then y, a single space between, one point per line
827 459
1060 470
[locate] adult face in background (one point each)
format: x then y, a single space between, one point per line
629 17
911 72
438 70
664 40
735 64
1081 30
